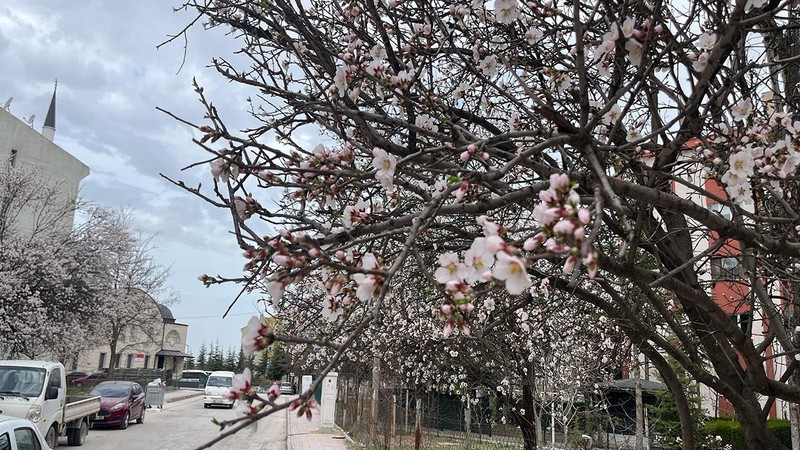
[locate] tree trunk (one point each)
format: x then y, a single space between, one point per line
526 422
639 407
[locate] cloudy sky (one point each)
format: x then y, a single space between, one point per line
111 77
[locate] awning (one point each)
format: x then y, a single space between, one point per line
629 384
176 353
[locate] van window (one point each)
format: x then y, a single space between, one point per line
220 381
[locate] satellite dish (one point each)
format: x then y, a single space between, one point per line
7 104
30 120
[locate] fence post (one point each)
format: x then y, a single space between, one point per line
418 425
373 413
393 424
405 428
467 424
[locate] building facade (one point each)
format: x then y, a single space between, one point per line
22 146
159 344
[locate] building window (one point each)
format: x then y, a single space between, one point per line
117 360
721 209
146 361
743 320
725 268
102 362
13 158
129 364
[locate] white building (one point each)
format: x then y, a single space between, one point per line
23 146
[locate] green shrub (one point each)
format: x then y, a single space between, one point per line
731 432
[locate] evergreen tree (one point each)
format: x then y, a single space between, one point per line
200 361
278 364
241 361
230 360
261 367
666 422
216 360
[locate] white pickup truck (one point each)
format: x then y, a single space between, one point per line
37 391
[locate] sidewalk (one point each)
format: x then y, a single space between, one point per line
302 434
181 394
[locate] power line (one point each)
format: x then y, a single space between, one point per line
214 317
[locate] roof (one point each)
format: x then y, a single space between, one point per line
166 314
29 363
177 353
629 384
50 120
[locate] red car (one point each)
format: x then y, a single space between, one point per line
87 380
120 402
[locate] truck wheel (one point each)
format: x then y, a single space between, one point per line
124 424
52 437
77 436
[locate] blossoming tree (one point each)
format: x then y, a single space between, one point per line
576 143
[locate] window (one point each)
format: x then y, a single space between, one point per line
102 362
146 361
5 442
721 209
725 268
129 364
13 158
117 360
743 320
26 439
55 378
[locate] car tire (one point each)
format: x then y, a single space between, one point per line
77 436
140 420
124 424
52 436
205 405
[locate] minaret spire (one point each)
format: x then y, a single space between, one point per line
49 127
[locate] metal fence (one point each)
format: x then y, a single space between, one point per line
445 422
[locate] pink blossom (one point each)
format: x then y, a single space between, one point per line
257 337
569 264
385 164
584 216
512 270
533 243
450 268
559 181
242 386
494 244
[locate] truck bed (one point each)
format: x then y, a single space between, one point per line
80 406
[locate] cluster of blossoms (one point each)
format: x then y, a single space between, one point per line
562 231
563 225
304 407
754 151
243 392
632 37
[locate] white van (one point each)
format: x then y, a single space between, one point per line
218 385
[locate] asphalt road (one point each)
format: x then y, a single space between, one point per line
186 424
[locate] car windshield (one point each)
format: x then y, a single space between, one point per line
220 381
111 390
26 381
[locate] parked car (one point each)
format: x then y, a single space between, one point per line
72 376
120 402
89 380
20 434
287 388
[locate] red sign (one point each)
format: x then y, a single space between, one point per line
139 356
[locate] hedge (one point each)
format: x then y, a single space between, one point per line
731 432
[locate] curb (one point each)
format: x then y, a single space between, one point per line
178 398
